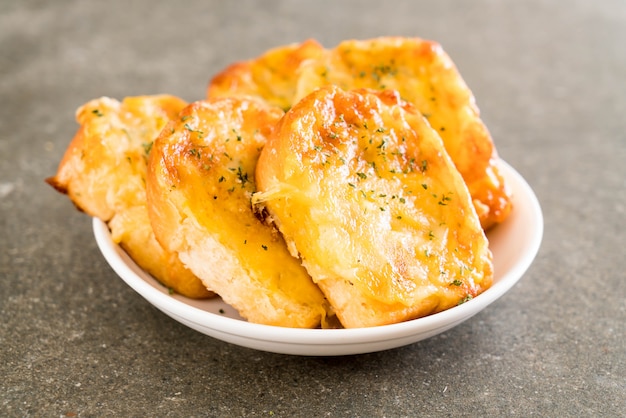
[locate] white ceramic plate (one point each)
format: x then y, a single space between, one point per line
514 245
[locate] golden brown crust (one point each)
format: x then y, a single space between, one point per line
271 76
391 233
201 178
103 172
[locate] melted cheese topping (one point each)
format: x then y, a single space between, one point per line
418 69
425 76
202 178
270 76
388 218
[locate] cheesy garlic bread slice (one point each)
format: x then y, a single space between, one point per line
425 76
364 192
103 172
200 181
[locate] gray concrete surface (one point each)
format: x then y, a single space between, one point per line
550 79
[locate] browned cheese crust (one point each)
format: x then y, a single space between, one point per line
363 191
103 172
201 178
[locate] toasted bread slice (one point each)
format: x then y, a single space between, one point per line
201 178
103 172
364 192
271 76
425 76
